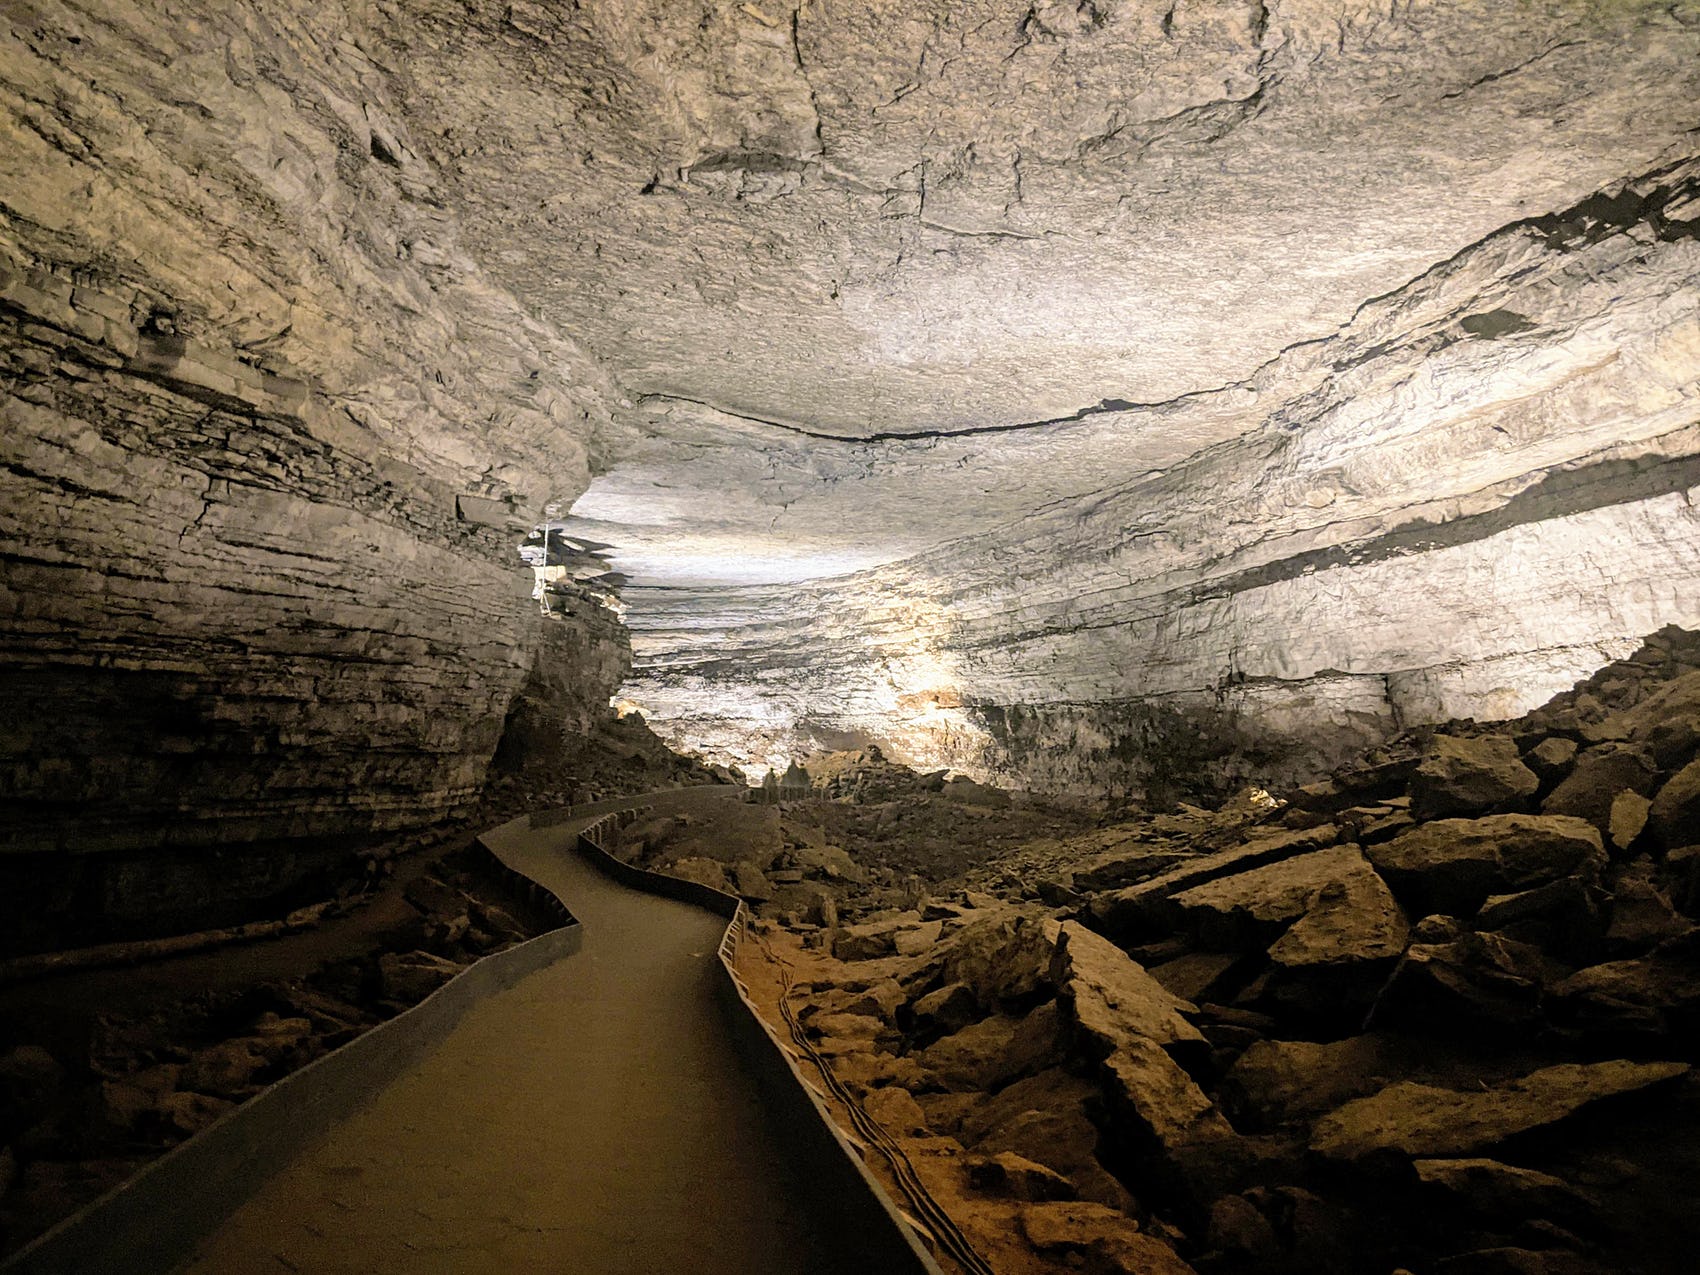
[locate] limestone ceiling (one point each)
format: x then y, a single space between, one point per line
1071 233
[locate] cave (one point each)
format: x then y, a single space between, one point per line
1139 560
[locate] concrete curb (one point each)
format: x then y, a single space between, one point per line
154 1221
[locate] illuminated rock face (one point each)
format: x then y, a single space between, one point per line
1105 396
1479 490
249 375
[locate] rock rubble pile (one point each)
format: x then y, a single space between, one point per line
1435 1013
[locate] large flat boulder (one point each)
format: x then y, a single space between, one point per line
1112 1000
1668 721
1452 866
1276 1082
1459 776
1251 909
1600 776
1142 910
1417 1121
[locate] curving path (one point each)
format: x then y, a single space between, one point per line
593 1118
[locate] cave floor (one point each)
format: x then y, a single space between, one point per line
594 1117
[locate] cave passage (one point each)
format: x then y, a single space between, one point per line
595 1117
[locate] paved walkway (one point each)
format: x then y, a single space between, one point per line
593 1119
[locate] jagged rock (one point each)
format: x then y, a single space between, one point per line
1496 1190
1112 1000
948 1009
994 1051
894 1108
1139 910
189 1113
1668 721
1453 865
1602 775
1352 920
1196 976
1111 1241
1509 1260
916 939
1250 909
750 882
1118 869
1561 917
29 1077
1627 819
1675 813
1476 981
1277 1082
1650 997
1043 1118
832 863
1419 1121
1164 1118
1461 776
709 872
1238 1229
871 939
227 1070
1016 1177
1641 916
1003 957
1552 756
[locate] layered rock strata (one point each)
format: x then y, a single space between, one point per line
1478 489
264 426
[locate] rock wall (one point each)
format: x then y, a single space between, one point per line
1479 489
264 425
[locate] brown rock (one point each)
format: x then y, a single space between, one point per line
994 1051
1276 1082
949 1008
1421 1121
1469 776
1250 909
1142 910
1668 721
412 976
1493 1189
895 1109
1110 1239
1600 776
1112 1000
1452 865
1476 981
1551 756
1016 1177
1675 813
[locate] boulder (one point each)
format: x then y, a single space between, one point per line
994 1051
709 872
1004 956
1675 813
1475 982
1454 865
751 882
1165 1123
1626 819
1112 1000
950 1008
1602 774
1417 1121
1118 869
1351 920
1016 1178
1551 757
1196 976
1277 1082
1494 1190
1043 1119
229 1069
29 1077
1561 917
1648 998
1239 1230
1459 776
1106 1240
1249 910
1641 916
1144 910
894 1108
1668 721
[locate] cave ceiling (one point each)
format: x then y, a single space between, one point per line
879 275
